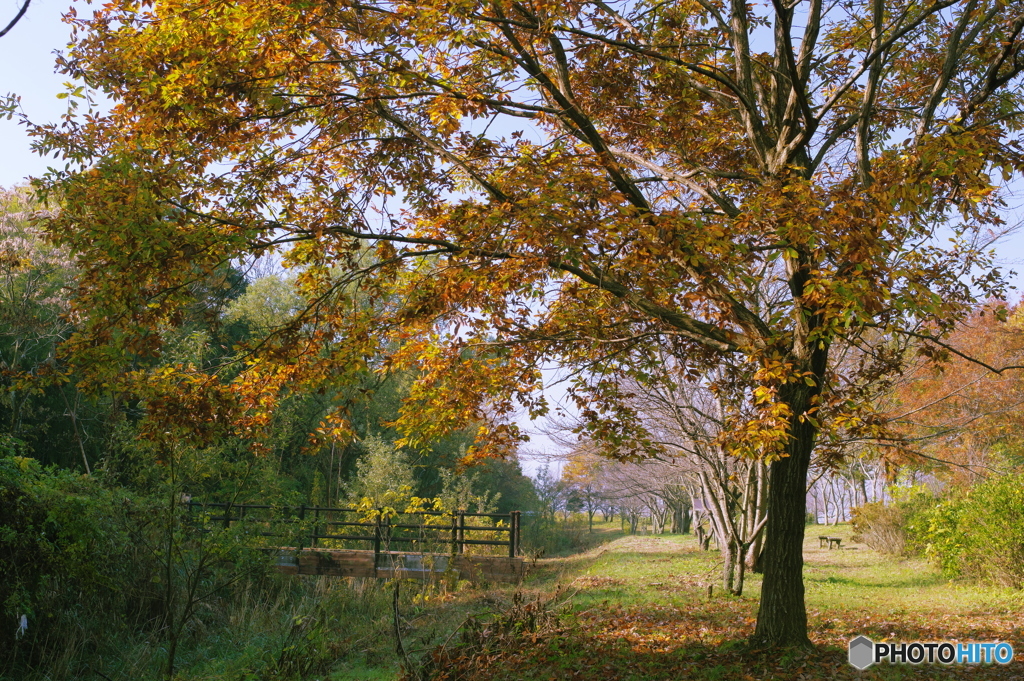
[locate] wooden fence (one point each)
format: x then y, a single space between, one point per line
422 560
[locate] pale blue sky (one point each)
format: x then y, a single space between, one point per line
26 69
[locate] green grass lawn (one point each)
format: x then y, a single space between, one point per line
638 608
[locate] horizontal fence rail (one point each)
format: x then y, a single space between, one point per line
334 523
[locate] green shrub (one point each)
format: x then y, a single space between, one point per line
980 534
62 544
945 542
90 569
543 535
898 528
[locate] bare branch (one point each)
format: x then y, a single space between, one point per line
16 19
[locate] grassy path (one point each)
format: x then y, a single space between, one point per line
638 608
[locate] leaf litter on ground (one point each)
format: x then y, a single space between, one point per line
635 617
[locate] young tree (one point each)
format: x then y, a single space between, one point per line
383 477
550 493
691 419
547 182
582 476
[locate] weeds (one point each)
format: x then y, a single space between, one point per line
524 621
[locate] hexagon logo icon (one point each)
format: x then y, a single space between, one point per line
862 652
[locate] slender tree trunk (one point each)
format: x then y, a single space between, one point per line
740 569
170 604
73 413
753 557
729 567
658 517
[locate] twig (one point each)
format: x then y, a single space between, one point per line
398 634
452 635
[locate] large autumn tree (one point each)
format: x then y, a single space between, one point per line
545 181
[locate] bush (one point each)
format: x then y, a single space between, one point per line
62 540
86 570
899 528
944 540
980 533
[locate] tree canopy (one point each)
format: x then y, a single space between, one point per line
471 189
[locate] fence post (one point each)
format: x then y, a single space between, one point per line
462 532
513 534
227 515
316 522
376 542
455 534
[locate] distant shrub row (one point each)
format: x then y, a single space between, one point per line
977 533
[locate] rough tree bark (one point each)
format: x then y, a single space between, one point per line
782 616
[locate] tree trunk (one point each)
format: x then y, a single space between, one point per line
658 518
729 567
702 529
753 557
684 516
782 616
740 569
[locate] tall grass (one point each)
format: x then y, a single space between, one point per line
547 536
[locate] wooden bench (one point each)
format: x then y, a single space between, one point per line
838 541
822 541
